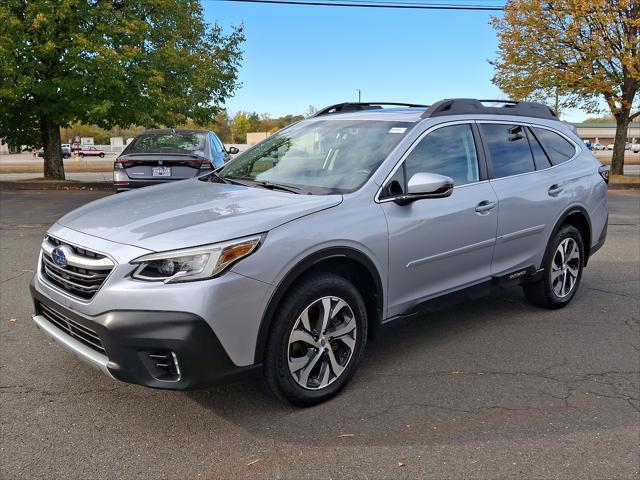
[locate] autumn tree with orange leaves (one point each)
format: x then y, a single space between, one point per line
582 51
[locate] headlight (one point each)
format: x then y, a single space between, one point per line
197 263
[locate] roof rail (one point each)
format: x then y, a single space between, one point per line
355 107
462 106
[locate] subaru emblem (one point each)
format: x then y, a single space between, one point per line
59 256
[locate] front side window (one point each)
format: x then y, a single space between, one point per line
508 148
320 155
448 151
558 148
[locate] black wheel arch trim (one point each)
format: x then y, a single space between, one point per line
298 270
561 221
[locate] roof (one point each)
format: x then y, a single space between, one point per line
408 114
448 107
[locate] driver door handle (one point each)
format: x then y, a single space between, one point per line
485 206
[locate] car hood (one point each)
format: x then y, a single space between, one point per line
191 212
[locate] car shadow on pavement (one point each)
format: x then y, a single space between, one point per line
494 363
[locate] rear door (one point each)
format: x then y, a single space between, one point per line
440 245
529 191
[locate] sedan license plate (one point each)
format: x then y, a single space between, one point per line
161 172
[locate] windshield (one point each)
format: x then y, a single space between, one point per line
181 143
320 156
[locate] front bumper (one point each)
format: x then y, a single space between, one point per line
133 340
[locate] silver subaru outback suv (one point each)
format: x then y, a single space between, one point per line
290 257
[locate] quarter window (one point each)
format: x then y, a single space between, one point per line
508 148
448 151
558 148
540 158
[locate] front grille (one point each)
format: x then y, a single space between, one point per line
72 328
83 273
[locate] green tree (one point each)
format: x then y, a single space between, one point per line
579 51
240 126
108 62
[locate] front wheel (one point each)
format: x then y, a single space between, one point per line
563 264
318 337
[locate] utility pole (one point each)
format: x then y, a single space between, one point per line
359 95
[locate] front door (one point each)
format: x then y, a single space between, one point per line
439 245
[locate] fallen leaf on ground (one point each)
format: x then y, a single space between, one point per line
254 461
12 320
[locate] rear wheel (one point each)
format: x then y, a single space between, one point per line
102 155
563 266
317 340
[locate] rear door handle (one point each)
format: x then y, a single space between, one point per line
485 206
555 190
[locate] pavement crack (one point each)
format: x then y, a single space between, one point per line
613 293
16 276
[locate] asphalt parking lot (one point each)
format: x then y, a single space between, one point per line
490 389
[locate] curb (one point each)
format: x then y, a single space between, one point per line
62 185
624 186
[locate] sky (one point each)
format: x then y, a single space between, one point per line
296 56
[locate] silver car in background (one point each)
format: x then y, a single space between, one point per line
290 257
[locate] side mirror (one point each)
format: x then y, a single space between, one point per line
426 185
233 150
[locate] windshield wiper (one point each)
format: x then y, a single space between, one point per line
219 177
277 186
248 182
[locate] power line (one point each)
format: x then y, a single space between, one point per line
374 4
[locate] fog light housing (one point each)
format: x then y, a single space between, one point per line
163 365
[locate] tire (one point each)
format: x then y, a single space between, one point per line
303 366
82 155
561 278
102 155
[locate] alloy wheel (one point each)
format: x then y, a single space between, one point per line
322 343
565 267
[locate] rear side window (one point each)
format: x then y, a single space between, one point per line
448 151
508 148
558 148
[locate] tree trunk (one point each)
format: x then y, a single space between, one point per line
617 161
53 166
